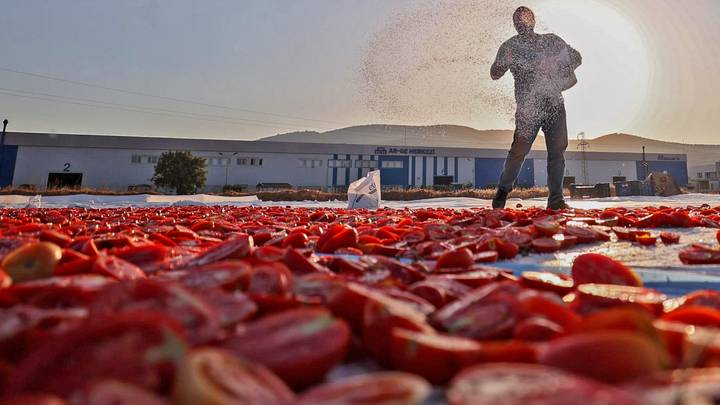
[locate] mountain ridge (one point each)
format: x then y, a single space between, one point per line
463 136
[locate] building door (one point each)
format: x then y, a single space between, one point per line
394 170
64 180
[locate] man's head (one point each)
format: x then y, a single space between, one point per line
524 20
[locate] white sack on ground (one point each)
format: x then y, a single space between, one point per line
365 192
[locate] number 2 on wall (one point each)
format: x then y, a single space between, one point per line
66 167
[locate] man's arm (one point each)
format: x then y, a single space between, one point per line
502 62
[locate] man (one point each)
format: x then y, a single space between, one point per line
543 67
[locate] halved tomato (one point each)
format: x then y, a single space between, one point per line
200 320
299 345
114 392
600 269
32 261
670 238
489 312
458 258
433 356
214 376
546 281
546 245
138 347
610 356
595 296
383 388
520 384
112 266
695 315
383 314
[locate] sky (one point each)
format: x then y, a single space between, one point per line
253 68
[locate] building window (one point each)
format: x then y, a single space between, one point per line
249 161
309 163
699 175
136 159
366 163
392 164
152 159
339 163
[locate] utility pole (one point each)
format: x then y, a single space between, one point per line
2 149
644 164
583 145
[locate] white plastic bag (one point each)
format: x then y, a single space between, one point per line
365 192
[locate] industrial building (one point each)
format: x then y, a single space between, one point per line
42 160
705 177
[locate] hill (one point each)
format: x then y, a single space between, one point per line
462 136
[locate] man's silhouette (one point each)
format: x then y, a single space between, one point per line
543 67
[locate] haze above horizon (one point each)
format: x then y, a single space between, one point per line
251 69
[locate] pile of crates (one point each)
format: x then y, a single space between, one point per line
634 187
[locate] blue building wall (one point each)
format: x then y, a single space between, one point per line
7 170
488 170
394 177
677 169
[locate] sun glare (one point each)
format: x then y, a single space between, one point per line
614 77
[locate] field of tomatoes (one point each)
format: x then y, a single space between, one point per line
259 305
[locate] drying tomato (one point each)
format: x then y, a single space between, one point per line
200 320
213 376
610 356
600 269
546 281
670 238
520 384
137 347
387 388
32 261
287 343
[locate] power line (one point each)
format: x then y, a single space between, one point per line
272 124
130 108
167 98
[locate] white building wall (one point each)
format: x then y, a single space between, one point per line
113 168
599 171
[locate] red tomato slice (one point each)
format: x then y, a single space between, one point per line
115 392
116 268
700 255
148 344
489 312
595 296
695 315
547 227
436 358
610 356
537 329
384 388
521 384
458 258
287 343
201 322
214 376
600 269
237 246
226 274
546 245
546 281
381 315
646 240
67 291
670 238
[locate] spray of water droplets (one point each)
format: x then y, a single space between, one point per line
432 62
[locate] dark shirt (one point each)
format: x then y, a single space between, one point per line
542 66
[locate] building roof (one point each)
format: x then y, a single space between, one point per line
222 145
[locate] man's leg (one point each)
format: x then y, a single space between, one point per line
556 141
523 138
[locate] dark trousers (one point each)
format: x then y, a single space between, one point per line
553 123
